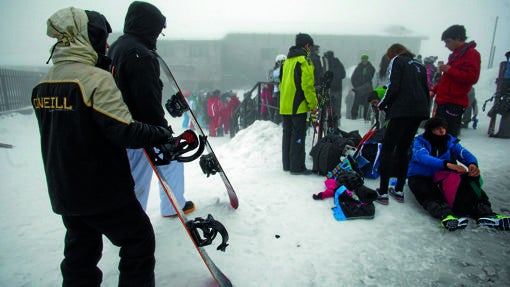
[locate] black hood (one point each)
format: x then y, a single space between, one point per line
98 31
296 51
145 21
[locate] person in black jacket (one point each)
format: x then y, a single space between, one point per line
406 104
361 80
333 64
136 71
85 128
318 70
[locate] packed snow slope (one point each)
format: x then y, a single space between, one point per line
279 236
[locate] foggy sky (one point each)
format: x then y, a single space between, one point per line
24 40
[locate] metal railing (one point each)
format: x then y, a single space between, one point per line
251 106
16 88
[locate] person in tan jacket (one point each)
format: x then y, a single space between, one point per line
85 128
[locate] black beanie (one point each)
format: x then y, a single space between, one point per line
303 39
456 32
434 123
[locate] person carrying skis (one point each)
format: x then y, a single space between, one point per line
136 71
85 128
297 98
445 188
458 77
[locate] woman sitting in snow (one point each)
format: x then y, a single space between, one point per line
444 188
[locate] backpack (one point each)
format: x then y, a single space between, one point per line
327 153
371 151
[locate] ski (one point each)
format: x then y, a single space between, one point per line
191 227
209 163
323 124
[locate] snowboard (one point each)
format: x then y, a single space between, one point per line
210 161
218 276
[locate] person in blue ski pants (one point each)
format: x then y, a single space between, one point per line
136 71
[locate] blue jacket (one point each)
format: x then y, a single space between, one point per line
425 164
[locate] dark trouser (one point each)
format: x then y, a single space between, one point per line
358 101
127 227
336 103
466 203
429 196
277 118
293 142
470 203
394 160
453 115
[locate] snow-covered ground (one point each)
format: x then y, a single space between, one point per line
279 236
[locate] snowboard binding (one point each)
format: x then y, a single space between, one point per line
176 105
177 147
209 164
209 228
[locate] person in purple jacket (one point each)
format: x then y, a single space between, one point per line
441 183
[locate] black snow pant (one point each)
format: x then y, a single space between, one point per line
466 203
127 227
360 100
293 142
336 103
394 159
429 196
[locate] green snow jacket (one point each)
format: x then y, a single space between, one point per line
297 91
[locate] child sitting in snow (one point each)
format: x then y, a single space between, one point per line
446 189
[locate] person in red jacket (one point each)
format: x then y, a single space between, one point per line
459 75
223 120
213 112
233 103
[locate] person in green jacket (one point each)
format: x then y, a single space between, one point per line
297 98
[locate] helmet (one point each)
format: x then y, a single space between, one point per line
280 58
350 179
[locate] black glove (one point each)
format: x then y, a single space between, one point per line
177 146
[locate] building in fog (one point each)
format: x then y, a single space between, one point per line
239 61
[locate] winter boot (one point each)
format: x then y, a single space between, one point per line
495 221
452 223
189 207
382 198
397 195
